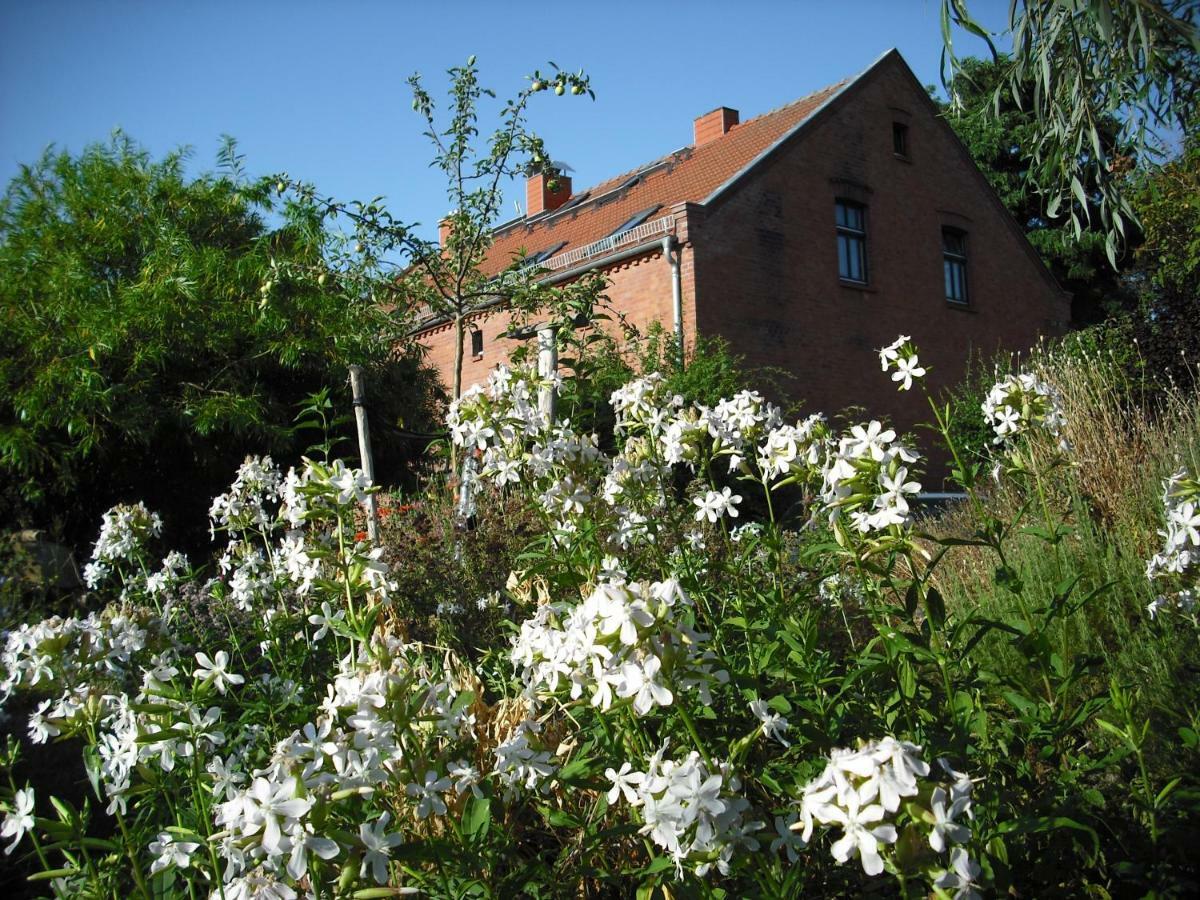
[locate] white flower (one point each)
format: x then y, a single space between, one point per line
624 781
19 819
325 619
891 352
303 840
213 671
944 826
786 838
378 845
961 875
773 724
713 505
430 792
859 839
906 371
170 852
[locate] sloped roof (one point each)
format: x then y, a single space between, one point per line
691 174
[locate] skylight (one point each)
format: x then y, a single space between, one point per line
536 259
636 220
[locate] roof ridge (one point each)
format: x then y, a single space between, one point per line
797 101
620 177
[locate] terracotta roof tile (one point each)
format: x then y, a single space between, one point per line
690 174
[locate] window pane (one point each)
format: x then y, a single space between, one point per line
953 242
851 258
956 280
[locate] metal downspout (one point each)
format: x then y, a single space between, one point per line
676 290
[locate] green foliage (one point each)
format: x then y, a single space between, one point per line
1091 64
1167 201
996 121
156 327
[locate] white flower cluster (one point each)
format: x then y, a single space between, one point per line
277 552
244 506
1177 562
625 641
866 479
65 654
386 720
737 424
860 792
1016 404
124 531
694 814
901 355
794 452
517 445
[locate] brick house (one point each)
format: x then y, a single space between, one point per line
808 237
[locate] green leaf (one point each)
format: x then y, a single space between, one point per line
51 874
477 818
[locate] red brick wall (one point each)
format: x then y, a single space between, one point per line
767 272
640 288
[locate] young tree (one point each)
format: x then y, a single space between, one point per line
158 327
1091 63
446 279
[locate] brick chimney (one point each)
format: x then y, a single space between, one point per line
540 198
444 228
711 126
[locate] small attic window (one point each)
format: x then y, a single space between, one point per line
536 259
630 181
900 139
635 220
574 201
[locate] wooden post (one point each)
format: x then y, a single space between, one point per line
364 448
547 366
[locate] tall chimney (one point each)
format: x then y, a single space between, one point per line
711 126
444 228
545 192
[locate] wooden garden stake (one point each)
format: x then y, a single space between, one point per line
364 448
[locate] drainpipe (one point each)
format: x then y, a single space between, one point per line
676 290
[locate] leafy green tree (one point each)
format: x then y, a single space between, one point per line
1091 63
157 327
998 126
1167 201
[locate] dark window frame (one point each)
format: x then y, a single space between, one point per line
900 139
850 218
954 266
476 342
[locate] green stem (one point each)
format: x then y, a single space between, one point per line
135 867
691 727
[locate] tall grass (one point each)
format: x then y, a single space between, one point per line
1126 435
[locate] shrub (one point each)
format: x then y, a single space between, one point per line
691 704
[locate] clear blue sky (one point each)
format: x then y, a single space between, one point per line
318 89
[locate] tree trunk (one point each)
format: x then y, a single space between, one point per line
459 333
458 367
